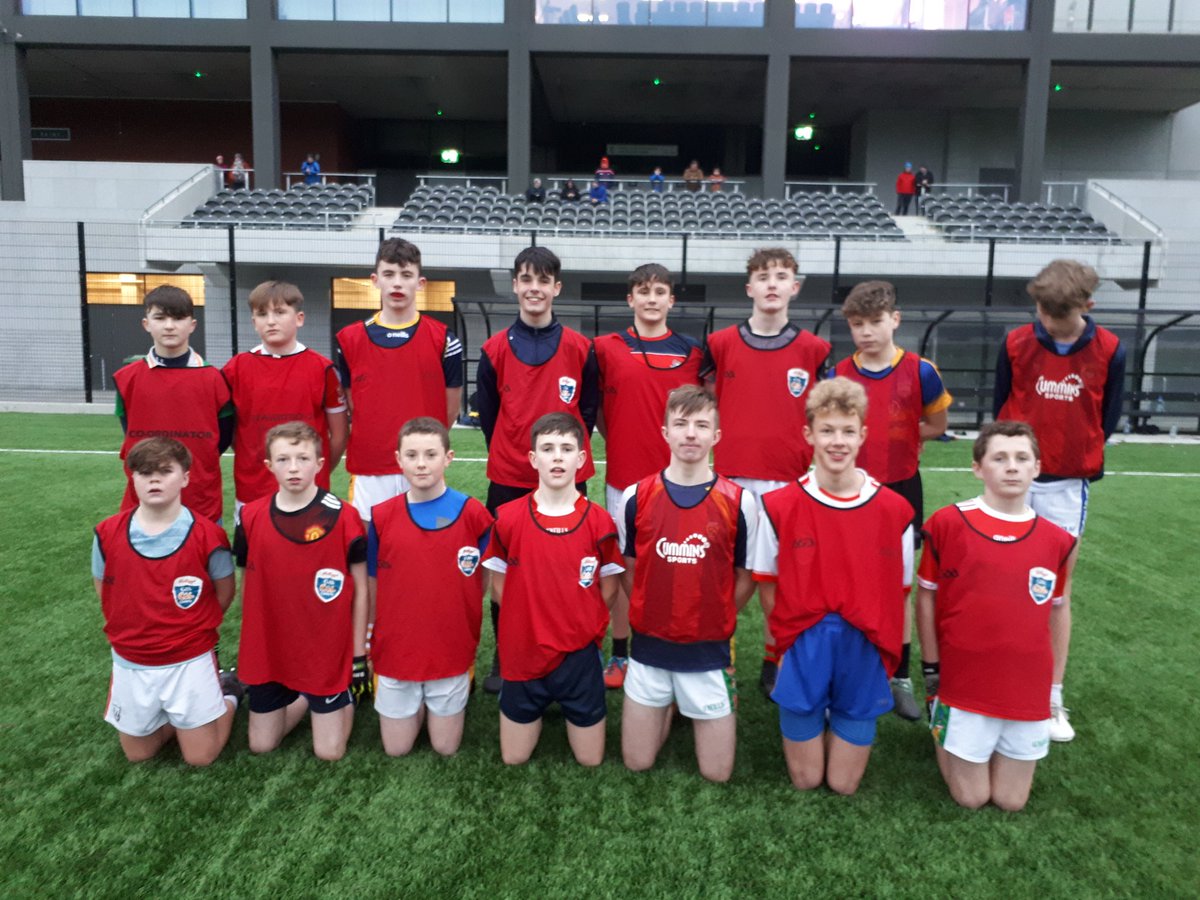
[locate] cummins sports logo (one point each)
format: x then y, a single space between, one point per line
687 552
1068 389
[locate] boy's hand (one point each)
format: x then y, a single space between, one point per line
360 680
932 673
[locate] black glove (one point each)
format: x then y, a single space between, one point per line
932 673
360 680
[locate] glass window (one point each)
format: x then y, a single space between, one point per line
1151 15
106 8
219 9
418 10
48 7
130 288
1109 15
164 9
480 11
726 13
313 10
361 10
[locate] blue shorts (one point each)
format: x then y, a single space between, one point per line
576 685
265 698
832 667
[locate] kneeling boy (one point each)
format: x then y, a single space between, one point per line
991 582
840 545
555 562
684 533
304 599
426 590
165 579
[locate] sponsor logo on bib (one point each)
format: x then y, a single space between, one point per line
186 591
1068 389
468 560
1041 584
797 381
328 584
687 552
587 571
566 389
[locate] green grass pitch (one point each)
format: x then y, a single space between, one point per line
1114 813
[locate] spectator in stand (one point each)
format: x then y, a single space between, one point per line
604 174
693 175
311 170
906 187
598 193
716 179
570 190
657 180
238 176
924 184
222 171
536 193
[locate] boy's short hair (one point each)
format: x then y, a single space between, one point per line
398 252
869 299
155 454
837 395
424 425
649 273
556 423
765 256
294 433
689 399
1003 428
1063 287
271 294
540 260
175 302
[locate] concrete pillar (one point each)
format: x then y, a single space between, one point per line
264 116
520 106
16 144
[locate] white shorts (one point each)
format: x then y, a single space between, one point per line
186 695
368 490
759 486
975 738
700 695
1062 502
395 699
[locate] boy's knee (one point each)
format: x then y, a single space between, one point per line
139 756
589 758
804 779
201 759
259 744
969 798
637 762
846 785
1010 801
444 746
330 754
513 758
717 774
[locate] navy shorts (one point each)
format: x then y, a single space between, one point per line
265 698
912 491
576 685
832 666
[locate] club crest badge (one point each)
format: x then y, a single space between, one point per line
468 560
186 591
328 584
566 389
587 571
797 381
1041 584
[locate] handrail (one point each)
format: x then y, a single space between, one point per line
324 176
641 183
1048 188
830 187
970 187
430 176
1106 194
200 175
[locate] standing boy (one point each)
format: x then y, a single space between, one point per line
426 591
534 367
906 406
991 585
174 393
395 366
554 560
761 371
684 532
304 601
1065 376
279 381
840 546
165 579
638 368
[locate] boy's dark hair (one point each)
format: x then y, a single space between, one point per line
837 395
398 252
689 399
649 273
271 294
556 423
765 256
1003 428
424 425
175 302
294 433
869 299
1063 287
539 260
155 454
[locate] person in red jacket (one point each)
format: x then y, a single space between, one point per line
906 189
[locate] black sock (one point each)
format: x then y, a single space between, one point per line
620 646
902 669
496 625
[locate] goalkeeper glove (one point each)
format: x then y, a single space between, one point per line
932 672
360 680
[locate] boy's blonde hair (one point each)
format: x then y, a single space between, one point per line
869 299
1063 287
293 433
765 256
837 395
689 399
424 425
1003 428
155 454
271 294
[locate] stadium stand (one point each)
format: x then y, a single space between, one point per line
312 207
978 218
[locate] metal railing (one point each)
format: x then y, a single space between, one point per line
500 181
1155 232
972 189
643 184
295 179
1063 193
828 187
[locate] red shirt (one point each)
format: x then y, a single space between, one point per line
894 408
552 603
762 395
429 598
297 603
995 579
634 383
528 393
159 612
267 391
906 183
388 386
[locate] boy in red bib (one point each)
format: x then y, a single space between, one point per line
992 581
165 579
426 590
304 601
554 560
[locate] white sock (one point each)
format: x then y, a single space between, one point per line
1056 695
232 699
